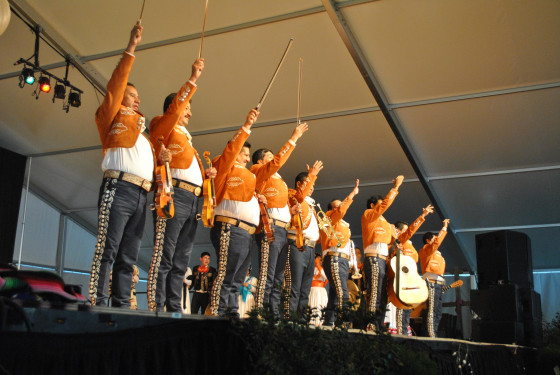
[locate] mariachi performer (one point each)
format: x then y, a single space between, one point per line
128 173
174 237
376 235
269 183
433 268
335 243
405 233
304 223
236 218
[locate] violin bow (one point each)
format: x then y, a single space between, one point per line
275 73
203 28
142 11
299 91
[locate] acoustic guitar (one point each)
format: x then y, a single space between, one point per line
417 311
405 288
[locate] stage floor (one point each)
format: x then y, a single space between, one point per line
90 334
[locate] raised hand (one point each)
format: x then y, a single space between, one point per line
135 37
397 182
428 210
197 68
251 118
298 131
317 166
356 190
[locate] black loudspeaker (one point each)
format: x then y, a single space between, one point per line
504 257
12 170
498 332
497 303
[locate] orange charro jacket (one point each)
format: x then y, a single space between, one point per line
374 226
119 126
431 259
174 137
273 187
233 181
341 228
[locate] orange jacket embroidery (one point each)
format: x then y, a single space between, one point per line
374 226
341 228
431 259
273 187
174 137
233 181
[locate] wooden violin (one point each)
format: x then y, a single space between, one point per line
209 193
298 225
265 221
405 288
163 202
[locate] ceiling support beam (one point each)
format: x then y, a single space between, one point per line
375 88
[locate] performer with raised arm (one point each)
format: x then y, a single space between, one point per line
237 217
376 236
335 243
174 237
405 233
302 263
433 268
272 186
128 166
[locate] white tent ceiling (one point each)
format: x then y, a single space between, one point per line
471 90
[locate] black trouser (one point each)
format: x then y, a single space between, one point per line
302 266
122 216
432 314
178 241
230 279
376 282
277 255
403 320
199 302
336 269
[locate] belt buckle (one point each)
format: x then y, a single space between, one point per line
197 191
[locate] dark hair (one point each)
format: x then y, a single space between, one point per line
427 236
130 84
318 255
168 100
300 178
401 224
204 254
259 154
373 199
329 206
247 144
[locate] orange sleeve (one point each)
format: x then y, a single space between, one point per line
225 162
115 93
412 228
305 187
338 213
163 125
264 172
372 214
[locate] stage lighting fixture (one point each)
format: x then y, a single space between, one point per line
74 98
44 84
59 91
28 76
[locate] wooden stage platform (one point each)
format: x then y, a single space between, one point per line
42 338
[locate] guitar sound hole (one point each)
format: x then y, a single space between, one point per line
405 269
